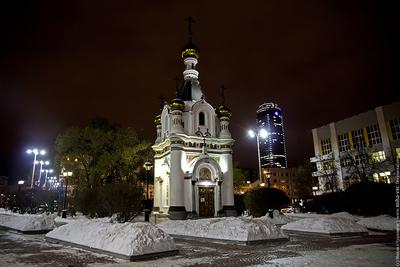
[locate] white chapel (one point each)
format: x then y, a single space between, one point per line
193 174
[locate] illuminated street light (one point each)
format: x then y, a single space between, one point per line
41 162
148 165
64 211
45 179
263 134
35 152
20 183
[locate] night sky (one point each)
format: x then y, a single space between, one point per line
65 62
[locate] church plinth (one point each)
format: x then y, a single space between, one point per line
177 213
230 211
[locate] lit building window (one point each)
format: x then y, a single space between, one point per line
327 165
344 143
374 135
398 152
378 156
358 138
326 146
346 162
395 128
360 160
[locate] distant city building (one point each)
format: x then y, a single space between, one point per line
283 179
272 148
280 178
364 146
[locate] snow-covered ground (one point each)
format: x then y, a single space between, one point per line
27 222
225 228
383 222
129 239
371 255
326 225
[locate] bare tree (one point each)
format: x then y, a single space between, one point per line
327 172
361 163
302 182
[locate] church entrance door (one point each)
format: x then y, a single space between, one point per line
206 202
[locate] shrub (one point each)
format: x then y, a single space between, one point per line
239 203
260 200
123 199
371 199
32 201
327 203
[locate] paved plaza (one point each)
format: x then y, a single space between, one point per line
373 250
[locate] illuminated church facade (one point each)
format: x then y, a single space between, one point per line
193 171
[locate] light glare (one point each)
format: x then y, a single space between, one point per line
263 133
251 133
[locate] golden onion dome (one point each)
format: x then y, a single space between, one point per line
157 120
177 104
190 50
223 111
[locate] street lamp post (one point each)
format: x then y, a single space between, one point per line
35 153
45 178
41 170
64 211
20 183
263 134
148 165
268 179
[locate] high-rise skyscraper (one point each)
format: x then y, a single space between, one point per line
272 148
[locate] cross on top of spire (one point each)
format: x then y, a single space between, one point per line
223 88
190 21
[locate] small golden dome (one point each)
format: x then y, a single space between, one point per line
157 120
223 111
190 50
177 104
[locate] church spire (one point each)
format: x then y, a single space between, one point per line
190 90
190 21
223 88
190 50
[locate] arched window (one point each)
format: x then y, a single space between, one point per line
202 119
205 174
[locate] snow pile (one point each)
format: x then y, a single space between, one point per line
299 216
326 225
4 211
278 218
383 222
61 221
27 222
227 228
129 239
345 215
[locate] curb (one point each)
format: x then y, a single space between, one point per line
29 232
227 241
113 254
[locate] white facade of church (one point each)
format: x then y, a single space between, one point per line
193 171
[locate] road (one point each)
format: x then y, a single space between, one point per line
374 250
